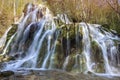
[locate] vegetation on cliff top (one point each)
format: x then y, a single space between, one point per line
104 12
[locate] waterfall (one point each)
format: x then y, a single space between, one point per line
42 43
86 43
107 45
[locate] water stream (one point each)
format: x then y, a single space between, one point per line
3 38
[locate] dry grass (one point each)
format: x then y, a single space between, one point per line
81 10
91 11
70 7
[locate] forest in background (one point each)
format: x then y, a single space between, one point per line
104 12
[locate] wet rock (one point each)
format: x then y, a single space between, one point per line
6 58
55 75
6 73
11 31
106 26
1 58
1 48
29 7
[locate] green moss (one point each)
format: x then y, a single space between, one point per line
12 31
96 56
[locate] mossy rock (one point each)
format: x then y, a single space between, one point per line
5 58
8 58
106 26
12 31
68 31
96 56
1 58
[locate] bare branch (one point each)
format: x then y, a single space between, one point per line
116 10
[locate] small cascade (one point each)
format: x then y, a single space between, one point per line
40 42
3 38
66 63
86 45
109 50
48 52
68 42
8 44
78 67
53 48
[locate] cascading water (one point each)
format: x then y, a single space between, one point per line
3 38
40 44
86 43
106 42
7 45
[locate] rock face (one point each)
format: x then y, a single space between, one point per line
53 75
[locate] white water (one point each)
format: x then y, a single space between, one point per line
32 54
104 40
52 58
78 65
86 43
48 52
66 63
26 35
